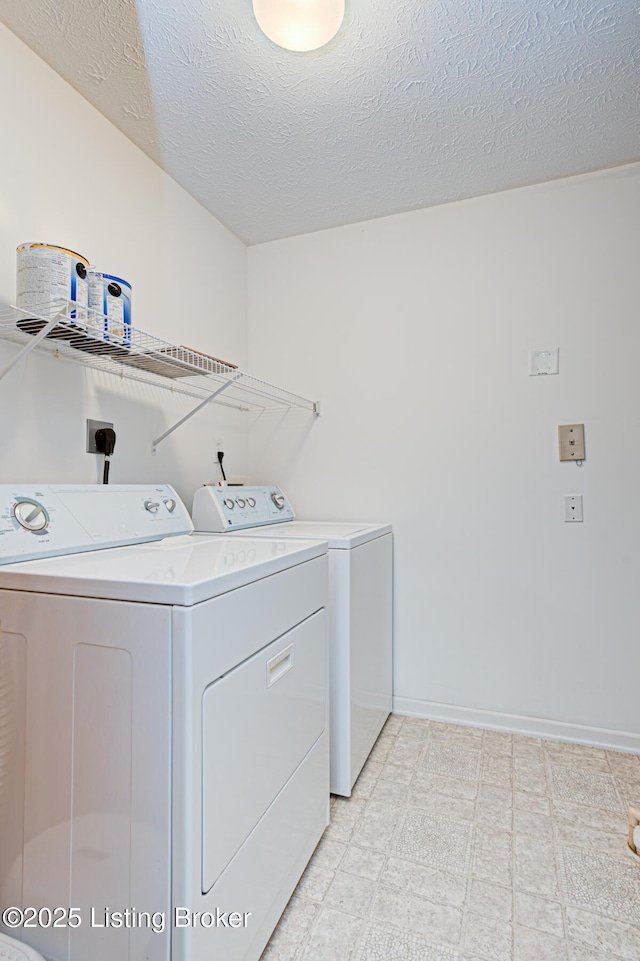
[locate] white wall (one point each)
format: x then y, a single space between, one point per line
69 177
414 332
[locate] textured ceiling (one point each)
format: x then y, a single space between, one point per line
414 103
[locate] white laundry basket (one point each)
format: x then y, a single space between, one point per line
11 950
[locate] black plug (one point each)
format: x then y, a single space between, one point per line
106 441
106 444
220 459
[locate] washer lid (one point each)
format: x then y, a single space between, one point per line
180 570
339 535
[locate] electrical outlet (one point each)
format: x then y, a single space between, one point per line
573 508
218 443
92 427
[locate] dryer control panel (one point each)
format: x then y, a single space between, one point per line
219 509
43 520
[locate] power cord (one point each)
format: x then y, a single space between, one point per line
220 459
105 444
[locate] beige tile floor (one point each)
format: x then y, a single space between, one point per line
466 845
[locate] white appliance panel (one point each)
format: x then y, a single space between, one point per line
338 535
223 632
221 509
101 791
49 520
272 711
265 870
82 834
370 629
177 570
264 873
13 736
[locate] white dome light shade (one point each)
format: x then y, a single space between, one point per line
299 24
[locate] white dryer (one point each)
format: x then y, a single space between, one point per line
360 610
164 772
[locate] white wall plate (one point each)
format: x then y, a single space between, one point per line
543 360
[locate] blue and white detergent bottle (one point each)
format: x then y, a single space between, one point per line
110 307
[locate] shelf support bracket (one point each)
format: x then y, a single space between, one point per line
207 400
48 327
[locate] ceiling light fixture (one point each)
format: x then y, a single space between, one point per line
299 24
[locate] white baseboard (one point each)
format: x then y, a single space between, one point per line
519 724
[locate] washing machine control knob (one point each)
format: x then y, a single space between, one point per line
241 502
278 500
151 506
170 504
251 501
31 515
228 503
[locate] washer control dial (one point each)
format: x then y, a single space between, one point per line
151 506
241 502
251 501
278 500
31 515
170 504
228 503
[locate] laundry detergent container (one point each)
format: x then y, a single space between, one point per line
11 950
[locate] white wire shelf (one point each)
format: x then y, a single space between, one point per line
144 357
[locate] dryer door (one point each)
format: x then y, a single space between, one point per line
259 722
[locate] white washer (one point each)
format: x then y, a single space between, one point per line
163 725
360 610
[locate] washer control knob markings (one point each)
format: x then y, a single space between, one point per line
278 500
151 506
170 504
31 515
251 501
228 503
241 502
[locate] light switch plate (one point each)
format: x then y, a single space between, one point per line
571 441
543 360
